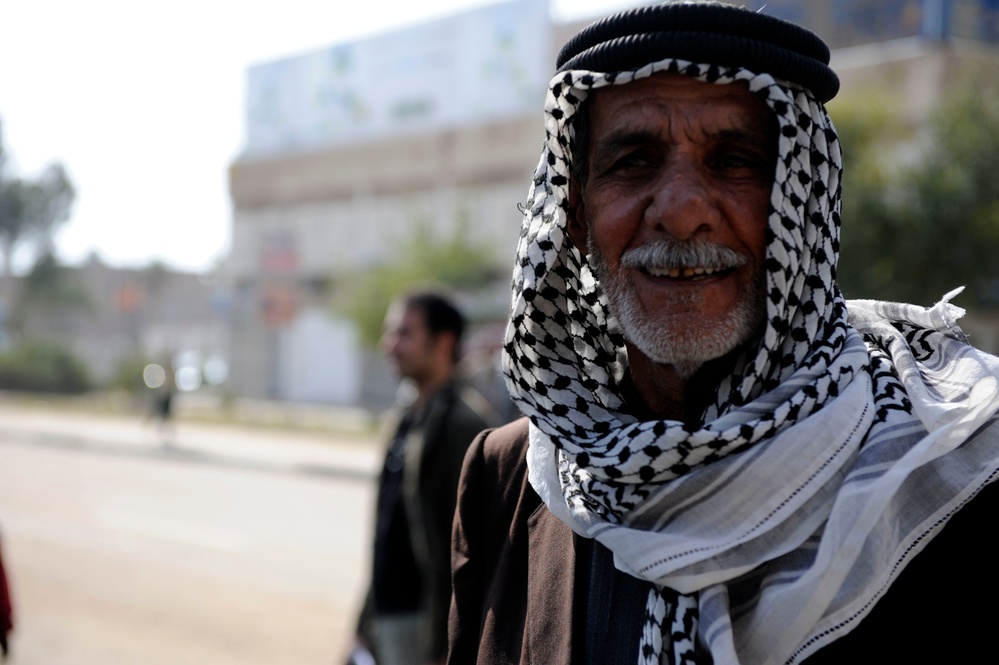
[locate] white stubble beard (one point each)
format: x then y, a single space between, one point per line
678 346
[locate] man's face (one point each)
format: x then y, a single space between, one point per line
408 343
674 211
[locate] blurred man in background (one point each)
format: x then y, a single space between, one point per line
404 620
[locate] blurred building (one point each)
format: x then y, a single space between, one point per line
113 318
436 125
848 23
351 147
910 50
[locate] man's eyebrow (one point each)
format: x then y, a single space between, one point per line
744 135
611 144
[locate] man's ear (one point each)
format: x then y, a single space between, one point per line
576 225
446 344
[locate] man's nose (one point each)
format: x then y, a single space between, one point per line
683 204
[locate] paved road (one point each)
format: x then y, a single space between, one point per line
230 546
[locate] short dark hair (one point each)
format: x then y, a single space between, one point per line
439 313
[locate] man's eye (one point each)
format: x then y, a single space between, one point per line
739 161
632 160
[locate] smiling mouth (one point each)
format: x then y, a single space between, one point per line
681 262
687 273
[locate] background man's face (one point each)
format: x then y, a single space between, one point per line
408 343
674 210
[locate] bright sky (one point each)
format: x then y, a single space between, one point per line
142 102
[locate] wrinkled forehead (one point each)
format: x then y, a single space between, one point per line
676 103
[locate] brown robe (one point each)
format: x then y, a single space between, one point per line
518 597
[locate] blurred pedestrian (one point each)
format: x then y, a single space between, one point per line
404 621
6 609
159 378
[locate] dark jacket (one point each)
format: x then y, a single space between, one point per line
520 590
435 448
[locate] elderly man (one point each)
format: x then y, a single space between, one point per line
723 460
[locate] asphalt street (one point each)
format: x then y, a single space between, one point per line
220 545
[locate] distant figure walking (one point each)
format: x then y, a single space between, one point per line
159 378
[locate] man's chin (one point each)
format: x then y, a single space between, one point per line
686 352
684 367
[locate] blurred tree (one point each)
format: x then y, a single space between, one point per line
954 194
42 367
418 259
47 293
870 132
31 210
921 209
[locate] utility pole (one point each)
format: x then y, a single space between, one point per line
936 20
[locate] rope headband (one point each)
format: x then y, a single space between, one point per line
709 33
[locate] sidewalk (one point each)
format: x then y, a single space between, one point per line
264 448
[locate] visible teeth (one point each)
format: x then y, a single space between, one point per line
676 273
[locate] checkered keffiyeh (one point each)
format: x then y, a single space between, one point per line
751 503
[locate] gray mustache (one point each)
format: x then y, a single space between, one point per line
666 254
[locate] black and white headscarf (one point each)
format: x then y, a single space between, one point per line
811 447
